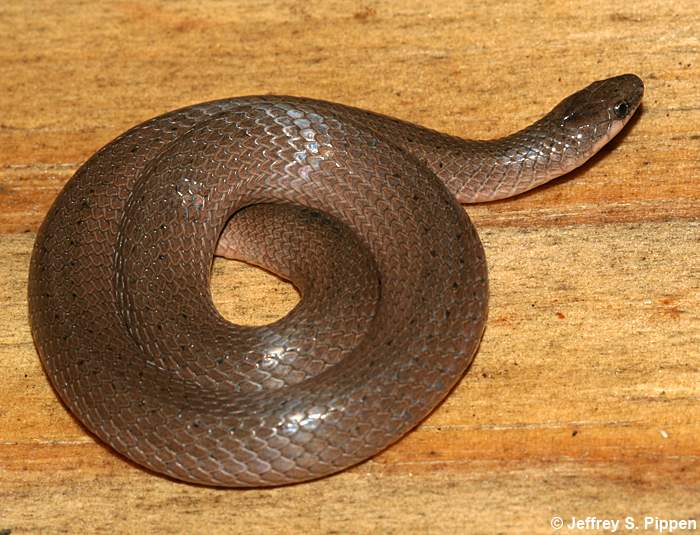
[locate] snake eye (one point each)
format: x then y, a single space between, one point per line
621 109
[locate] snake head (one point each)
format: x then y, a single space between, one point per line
588 119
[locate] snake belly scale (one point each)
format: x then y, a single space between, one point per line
360 211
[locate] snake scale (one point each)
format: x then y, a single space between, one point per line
358 210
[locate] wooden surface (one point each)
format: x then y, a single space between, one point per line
584 399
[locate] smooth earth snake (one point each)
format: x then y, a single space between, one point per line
358 210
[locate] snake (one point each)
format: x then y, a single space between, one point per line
361 212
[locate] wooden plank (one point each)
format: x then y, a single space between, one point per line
557 394
583 398
451 69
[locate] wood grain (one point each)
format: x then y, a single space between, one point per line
584 399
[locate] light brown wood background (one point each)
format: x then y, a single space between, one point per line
584 399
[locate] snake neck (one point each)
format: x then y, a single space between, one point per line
487 170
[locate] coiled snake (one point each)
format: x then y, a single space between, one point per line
360 211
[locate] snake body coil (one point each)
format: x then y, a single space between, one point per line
359 211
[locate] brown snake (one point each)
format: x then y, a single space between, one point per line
358 210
